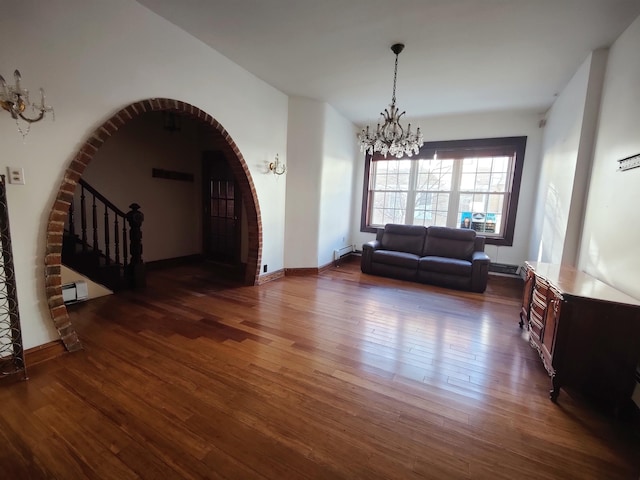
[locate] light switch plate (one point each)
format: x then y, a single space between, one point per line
16 175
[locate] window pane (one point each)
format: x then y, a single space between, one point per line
469 165
466 202
495 203
435 174
422 217
392 175
422 181
468 182
479 202
388 207
431 209
501 164
484 164
482 182
486 214
403 181
441 219
446 180
442 203
498 182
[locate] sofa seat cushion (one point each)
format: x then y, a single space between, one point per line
398 259
451 266
450 243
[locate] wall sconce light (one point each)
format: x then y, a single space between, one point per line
276 167
15 100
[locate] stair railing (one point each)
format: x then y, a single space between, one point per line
122 226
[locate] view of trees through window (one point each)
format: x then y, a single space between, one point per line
453 187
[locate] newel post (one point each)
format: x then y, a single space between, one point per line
135 269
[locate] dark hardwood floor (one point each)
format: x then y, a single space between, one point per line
336 376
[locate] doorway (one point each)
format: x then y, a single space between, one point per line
221 210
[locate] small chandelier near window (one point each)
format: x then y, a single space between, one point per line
15 100
391 136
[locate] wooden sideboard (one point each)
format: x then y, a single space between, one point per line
586 332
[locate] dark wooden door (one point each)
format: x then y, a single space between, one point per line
221 210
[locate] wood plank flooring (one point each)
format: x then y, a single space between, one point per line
336 376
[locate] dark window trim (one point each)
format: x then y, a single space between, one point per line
429 148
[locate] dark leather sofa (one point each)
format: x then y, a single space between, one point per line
450 257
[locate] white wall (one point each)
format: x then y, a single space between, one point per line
303 179
339 154
566 163
121 170
481 125
611 228
93 58
321 151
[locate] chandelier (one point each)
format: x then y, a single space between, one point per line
391 136
15 100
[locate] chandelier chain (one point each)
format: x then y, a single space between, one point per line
395 77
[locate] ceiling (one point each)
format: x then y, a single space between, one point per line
460 55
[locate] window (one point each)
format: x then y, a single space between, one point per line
464 184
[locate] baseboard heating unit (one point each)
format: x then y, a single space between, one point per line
341 252
75 292
503 268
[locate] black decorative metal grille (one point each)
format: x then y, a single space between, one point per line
11 351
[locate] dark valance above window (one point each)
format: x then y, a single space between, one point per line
459 149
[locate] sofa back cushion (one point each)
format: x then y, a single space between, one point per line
404 238
450 243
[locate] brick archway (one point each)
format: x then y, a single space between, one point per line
59 211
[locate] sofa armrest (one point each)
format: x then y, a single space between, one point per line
372 245
480 257
479 271
367 255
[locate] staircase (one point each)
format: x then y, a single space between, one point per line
96 237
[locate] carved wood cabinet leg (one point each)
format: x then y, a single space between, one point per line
553 394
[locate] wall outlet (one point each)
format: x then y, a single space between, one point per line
264 269
16 175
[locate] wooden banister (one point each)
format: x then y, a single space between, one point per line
117 232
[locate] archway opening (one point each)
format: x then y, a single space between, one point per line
223 143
